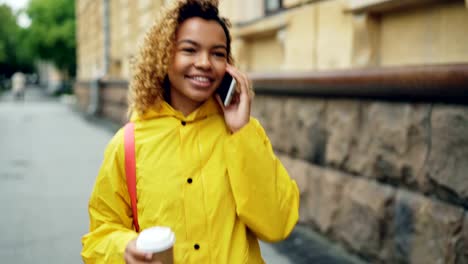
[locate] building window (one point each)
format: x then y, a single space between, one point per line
272 6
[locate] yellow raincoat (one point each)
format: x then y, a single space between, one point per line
218 191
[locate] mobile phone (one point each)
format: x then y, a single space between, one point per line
226 89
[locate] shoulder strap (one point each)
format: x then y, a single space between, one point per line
130 169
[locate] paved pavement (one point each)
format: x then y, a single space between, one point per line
49 157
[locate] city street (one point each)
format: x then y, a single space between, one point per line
49 157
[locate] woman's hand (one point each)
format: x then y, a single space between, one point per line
133 256
237 113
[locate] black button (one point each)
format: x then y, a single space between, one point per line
196 246
183 123
189 180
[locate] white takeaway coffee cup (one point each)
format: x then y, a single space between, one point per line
159 241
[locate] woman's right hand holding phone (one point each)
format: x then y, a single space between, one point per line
237 114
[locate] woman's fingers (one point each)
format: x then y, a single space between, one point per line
220 102
132 255
242 80
138 258
237 75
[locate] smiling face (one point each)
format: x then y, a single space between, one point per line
198 64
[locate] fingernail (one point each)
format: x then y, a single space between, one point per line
148 256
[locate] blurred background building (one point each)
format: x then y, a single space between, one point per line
364 100
288 35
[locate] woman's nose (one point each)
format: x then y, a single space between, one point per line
203 61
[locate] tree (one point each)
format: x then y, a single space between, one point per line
12 57
51 35
7 31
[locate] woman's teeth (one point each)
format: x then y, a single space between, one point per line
200 79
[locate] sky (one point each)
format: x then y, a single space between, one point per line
23 20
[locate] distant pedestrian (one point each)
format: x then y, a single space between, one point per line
205 170
18 81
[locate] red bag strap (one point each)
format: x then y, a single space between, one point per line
130 169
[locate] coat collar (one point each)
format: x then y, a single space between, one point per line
208 108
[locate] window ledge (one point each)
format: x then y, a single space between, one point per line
262 27
382 6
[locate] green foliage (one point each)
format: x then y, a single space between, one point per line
52 32
8 29
12 58
51 36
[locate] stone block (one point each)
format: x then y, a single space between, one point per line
447 164
270 112
115 113
331 185
299 171
462 248
258 110
313 198
342 123
114 95
303 127
82 95
359 222
294 126
393 142
423 230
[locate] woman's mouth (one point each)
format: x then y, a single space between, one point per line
200 81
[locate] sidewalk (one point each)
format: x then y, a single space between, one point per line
49 157
48 160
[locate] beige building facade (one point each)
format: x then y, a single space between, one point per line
288 35
108 35
341 34
371 122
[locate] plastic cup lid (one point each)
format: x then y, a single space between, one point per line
155 239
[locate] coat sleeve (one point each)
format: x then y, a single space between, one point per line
111 226
267 200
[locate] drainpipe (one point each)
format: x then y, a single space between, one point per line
106 31
94 105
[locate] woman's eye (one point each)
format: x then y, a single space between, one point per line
188 50
220 54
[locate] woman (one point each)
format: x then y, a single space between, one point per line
205 170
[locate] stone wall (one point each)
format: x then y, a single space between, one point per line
386 180
82 93
112 99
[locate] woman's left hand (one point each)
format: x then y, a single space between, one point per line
237 113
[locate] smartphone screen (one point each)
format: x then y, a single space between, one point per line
226 89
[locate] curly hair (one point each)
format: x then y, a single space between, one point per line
149 81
